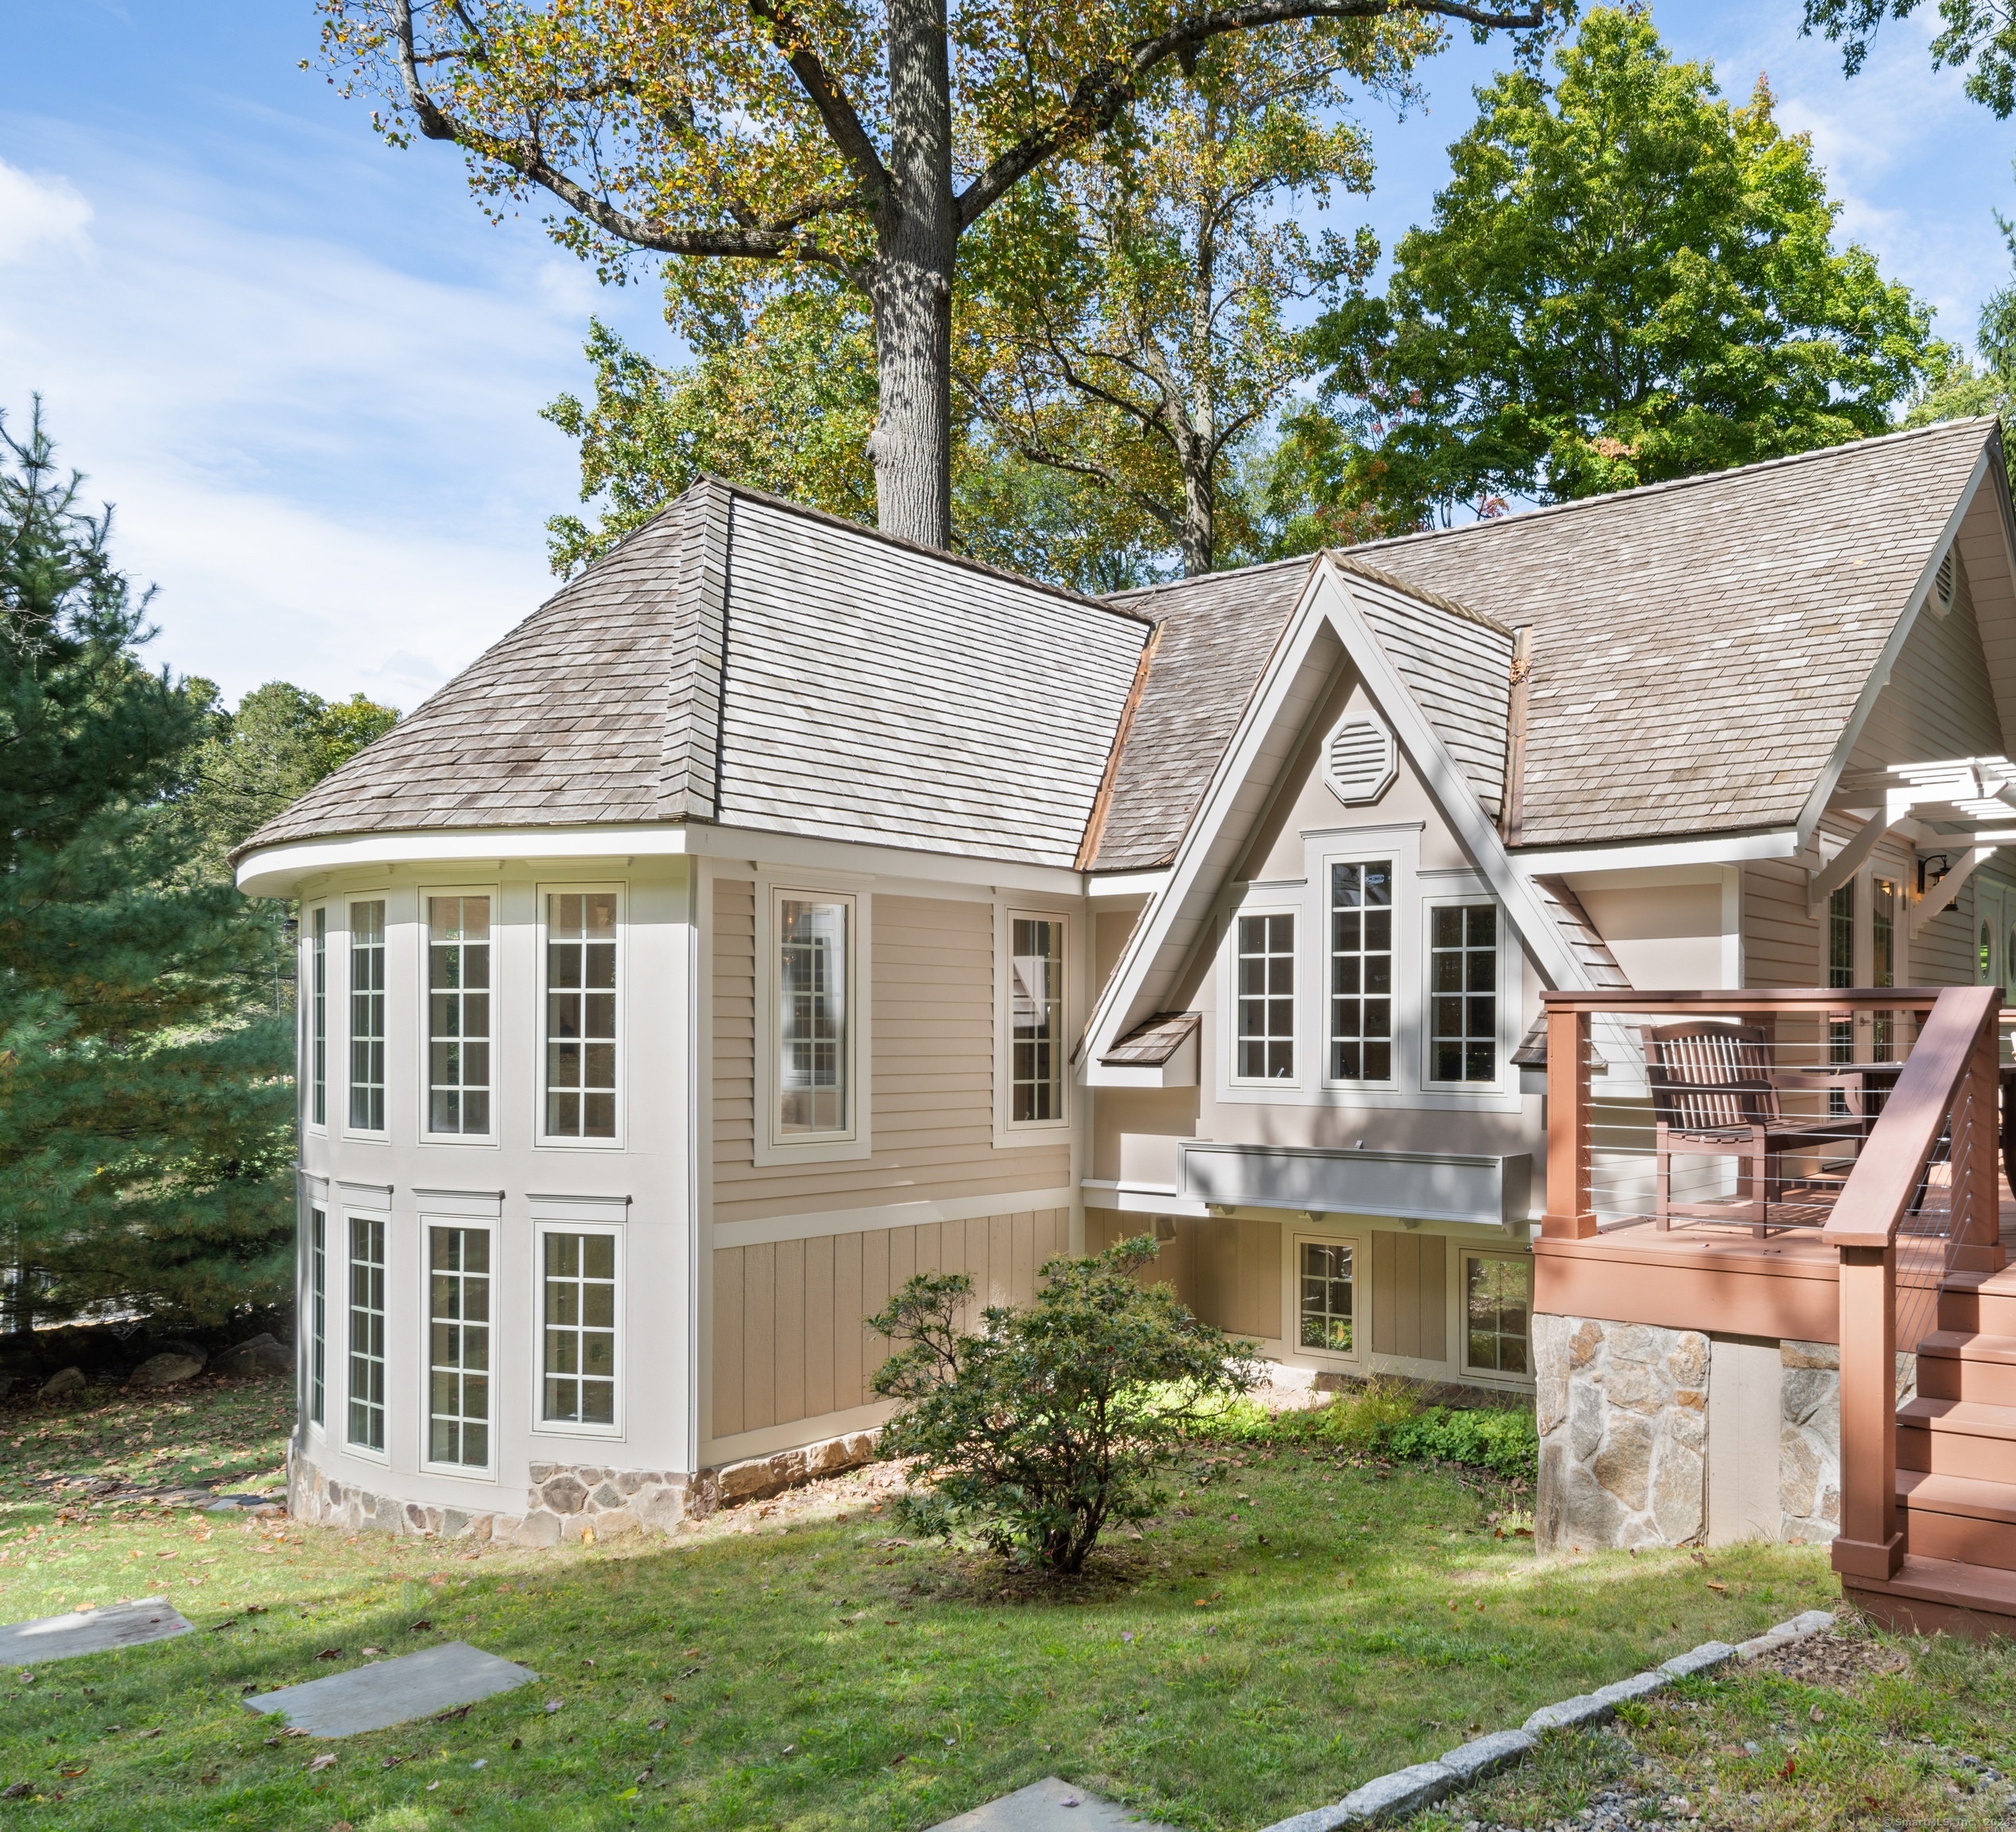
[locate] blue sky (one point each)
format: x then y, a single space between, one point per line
308 373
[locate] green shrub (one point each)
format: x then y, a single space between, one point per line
1050 1420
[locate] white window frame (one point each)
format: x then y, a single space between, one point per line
1360 1244
1490 1377
378 1134
541 1425
422 1006
352 1211
543 1139
1008 1131
315 933
429 1220
1298 1040
772 1148
1509 993
1402 860
316 1203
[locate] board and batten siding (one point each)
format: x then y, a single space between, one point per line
790 1334
930 1075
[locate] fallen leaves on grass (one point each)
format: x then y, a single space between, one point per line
319 1762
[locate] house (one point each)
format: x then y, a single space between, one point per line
781 909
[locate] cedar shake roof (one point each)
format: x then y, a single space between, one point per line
1698 645
746 660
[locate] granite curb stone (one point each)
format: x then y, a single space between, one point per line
1409 1790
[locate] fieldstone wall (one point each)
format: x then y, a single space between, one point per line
1809 1440
1623 1414
571 1501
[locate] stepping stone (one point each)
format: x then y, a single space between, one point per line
90 1632
389 1692
1050 1805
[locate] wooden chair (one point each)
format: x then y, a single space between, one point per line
1715 1094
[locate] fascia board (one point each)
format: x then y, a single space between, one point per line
1450 787
1718 849
1169 924
1823 789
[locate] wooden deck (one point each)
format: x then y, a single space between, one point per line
1713 1276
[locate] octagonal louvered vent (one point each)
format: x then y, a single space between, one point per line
1359 759
1943 584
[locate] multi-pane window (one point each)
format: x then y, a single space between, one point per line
1327 1296
1497 1300
581 1015
1463 992
1036 1077
1361 972
458 1345
318 1312
1840 971
1266 997
579 1326
366 1337
812 1016
1882 961
458 1015
318 1017
367 1016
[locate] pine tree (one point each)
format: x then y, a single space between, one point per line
145 1114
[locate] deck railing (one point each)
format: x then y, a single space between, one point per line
1897 1233
1644 1126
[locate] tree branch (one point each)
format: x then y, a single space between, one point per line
842 123
1101 94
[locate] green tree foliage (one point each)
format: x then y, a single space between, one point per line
1628 279
1979 37
783 400
1131 316
1051 1421
144 1117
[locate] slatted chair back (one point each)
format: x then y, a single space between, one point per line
1710 1078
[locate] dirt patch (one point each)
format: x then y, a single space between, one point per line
1840 1659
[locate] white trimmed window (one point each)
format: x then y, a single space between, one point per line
814 976
580 1090
1265 1038
367 1016
1036 1040
1361 970
1463 989
1328 1315
458 1345
578 1269
367 1332
458 1015
318 1019
318 1313
1498 1315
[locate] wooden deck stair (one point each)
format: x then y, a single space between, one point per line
1957 1469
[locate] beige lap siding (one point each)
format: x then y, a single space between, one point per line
930 1079
789 1336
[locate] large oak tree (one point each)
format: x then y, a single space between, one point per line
865 137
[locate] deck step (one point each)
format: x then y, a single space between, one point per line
1959 1518
1979 1301
1961 1365
1957 1437
1929 1594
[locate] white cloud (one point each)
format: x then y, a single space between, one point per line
39 215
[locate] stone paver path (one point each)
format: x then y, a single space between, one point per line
389 1692
90 1632
1050 1805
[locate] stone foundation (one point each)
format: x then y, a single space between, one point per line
569 1501
1623 1414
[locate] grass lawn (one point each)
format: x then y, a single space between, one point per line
1848 1732
1291 1626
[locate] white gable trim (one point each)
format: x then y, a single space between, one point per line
1822 790
1167 935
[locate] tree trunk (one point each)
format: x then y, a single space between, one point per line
911 284
1199 509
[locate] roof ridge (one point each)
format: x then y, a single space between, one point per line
690 778
964 560
1344 559
1521 517
1200 578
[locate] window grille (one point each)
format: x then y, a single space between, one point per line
1463 992
367 1332
580 1352
458 1005
1327 1296
812 1016
581 1015
457 1351
1361 972
1266 997
1037 1072
367 1016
